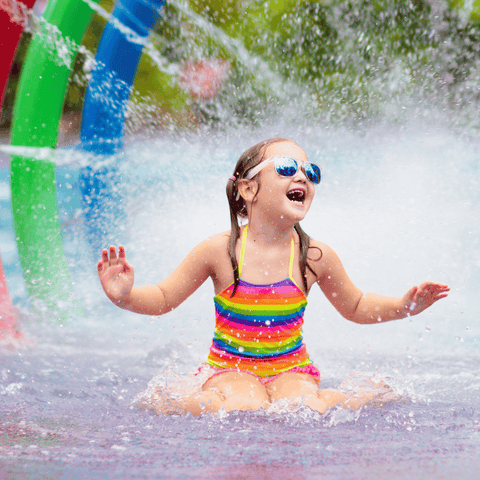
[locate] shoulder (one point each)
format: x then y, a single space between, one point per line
213 255
324 251
212 247
321 257
219 240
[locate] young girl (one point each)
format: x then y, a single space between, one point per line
262 274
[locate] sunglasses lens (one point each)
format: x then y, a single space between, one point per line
313 172
286 167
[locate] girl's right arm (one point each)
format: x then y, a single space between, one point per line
117 278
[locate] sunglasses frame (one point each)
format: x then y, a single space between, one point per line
255 170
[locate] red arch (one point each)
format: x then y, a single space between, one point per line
13 17
12 22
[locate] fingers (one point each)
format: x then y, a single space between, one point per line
110 259
417 299
432 286
104 261
430 292
436 291
113 253
122 256
110 255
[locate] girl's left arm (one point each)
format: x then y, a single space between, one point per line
365 308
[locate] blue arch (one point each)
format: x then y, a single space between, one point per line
103 116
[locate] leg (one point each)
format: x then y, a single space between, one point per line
301 385
229 390
365 391
295 385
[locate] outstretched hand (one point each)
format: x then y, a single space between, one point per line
116 274
417 299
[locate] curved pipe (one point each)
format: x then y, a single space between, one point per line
11 26
37 112
104 109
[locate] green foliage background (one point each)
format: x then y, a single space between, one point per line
342 51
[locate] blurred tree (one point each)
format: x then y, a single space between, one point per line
348 52
470 8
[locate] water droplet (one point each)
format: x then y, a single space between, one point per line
428 328
460 339
268 322
241 349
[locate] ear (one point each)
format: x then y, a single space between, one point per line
247 189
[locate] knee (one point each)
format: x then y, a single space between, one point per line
332 397
292 385
209 401
237 385
315 403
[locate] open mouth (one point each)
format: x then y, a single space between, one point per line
296 196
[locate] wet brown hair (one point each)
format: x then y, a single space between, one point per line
238 208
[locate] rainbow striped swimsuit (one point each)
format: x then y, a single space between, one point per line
259 329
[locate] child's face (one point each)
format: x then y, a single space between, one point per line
286 197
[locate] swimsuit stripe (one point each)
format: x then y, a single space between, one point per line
228 328
263 367
259 329
276 290
258 320
259 341
276 308
258 349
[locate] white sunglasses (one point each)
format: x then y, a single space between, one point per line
288 167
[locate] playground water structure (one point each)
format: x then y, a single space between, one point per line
398 203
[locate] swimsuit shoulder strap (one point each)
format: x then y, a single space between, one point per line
242 250
292 256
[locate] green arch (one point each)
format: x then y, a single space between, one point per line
37 111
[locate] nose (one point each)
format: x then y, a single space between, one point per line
300 175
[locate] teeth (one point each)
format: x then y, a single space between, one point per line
297 196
